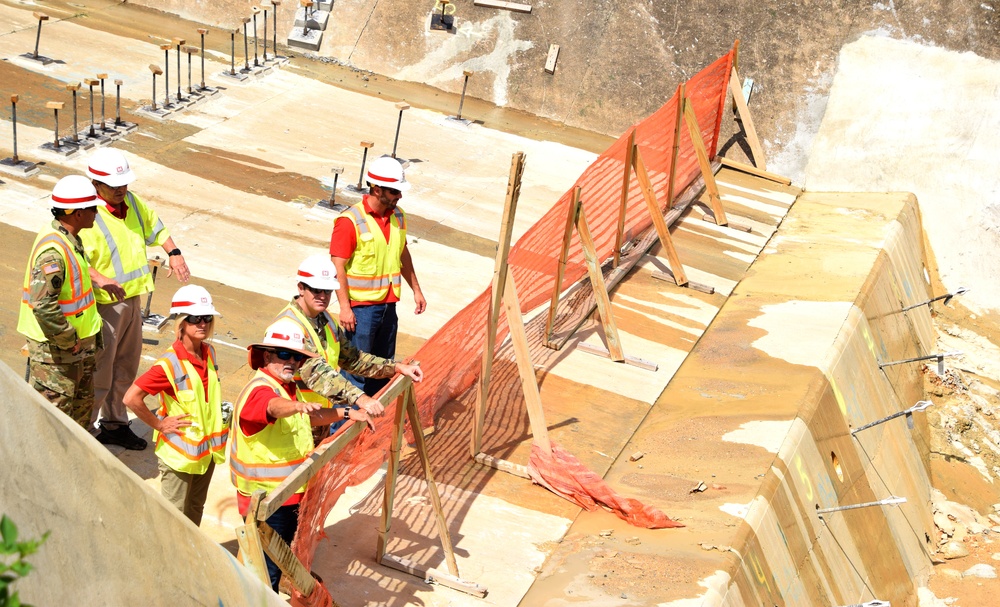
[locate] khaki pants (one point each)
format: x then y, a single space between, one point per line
187 492
118 362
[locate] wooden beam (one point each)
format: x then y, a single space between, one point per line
499 284
503 465
282 556
752 170
748 127
442 523
715 200
392 470
432 576
600 289
676 150
623 207
529 385
658 222
251 553
550 60
697 286
628 360
511 6
574 206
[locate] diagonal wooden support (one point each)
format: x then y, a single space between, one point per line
619 235
499 283
574 206
658 222
715 200
392 471
251 552
600 289
743 111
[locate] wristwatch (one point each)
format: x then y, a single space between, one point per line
347 413
176 251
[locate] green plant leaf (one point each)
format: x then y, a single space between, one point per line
9 531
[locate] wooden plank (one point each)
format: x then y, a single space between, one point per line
740 227
392 470
251 553
697 286
715 200
529 385
574 206
658 222
499 284
752 170
550 60
628 360
432 575
511 6
503 465
442 523
748 127
282 555
622 208
600 289
675 152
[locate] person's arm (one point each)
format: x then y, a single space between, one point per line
346 317
108 285
47 275
158 235
178 267
410 276
342 244
134 400
279 407
323 379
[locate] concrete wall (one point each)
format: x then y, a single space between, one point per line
113 540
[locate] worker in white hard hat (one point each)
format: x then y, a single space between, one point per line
271 433
317 280
57 314
368 247
116 249
189 428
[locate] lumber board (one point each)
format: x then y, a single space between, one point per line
635 361
511 6
747 120
662 229
550 60
522 354
600 289
251 553
502 465
574 208
739 227
752 170
623 205
392 471
432 576
704 163
697 286
282 555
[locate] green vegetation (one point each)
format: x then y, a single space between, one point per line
13 565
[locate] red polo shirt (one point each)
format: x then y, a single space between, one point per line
155 380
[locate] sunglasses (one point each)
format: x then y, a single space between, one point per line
318 291
289 355
193 320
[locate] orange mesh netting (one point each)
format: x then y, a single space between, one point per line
451 359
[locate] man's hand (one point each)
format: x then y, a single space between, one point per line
347 320
108 285
418 297
372 406
173 424
361 415
307 407
412 371
179 267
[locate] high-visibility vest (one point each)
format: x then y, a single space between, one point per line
330 353
375 266
117 249
192 448
76 297
265 459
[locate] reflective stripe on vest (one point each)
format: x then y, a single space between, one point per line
375 265
265 459
330 353
191 449
76 296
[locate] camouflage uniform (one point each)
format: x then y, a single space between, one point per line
323 378
64 378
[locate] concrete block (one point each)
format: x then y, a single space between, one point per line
324 5
65 150
317 19
309 39
21 168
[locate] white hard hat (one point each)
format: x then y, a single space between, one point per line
192 300
319 272
386 171
283 333
74 192
110 167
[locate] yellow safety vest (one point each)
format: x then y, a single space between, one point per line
76 297
195 446
265 459
117 249
330 353
375 265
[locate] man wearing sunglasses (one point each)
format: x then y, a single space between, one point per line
368 247
271 433
323 382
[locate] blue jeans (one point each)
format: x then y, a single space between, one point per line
284 522
376 334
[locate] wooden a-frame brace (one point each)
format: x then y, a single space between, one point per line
505 295
257 538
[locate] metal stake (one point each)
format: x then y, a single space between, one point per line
156 71
76 134
333 193
255 10
465 85
178 42
55 106
364 157
946 297
265 35
920 406
232 52
246 47
402 106
202 31
166 73
91 82
939 357
892 500
307 5
875 603
190 50
103 121
118 102
275 4
38 37
13 118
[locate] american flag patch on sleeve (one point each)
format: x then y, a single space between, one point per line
50 268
